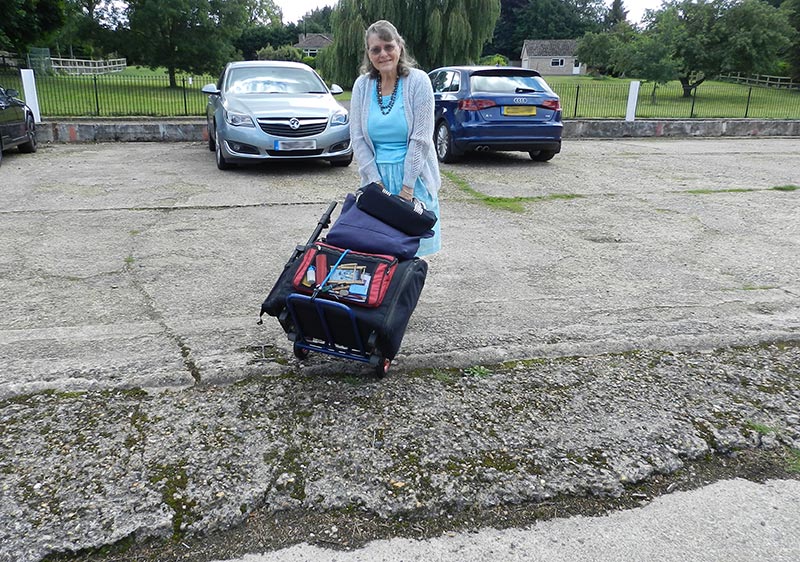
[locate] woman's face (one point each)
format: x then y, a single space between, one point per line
384 55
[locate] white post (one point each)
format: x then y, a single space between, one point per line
31 98
633 97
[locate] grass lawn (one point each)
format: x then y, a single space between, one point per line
142 91
587 97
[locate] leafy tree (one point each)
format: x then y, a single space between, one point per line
316 21
437 32
544 19
189 35
598 51
24 23
647 58
616 14
792 10
757 35
494 60
255 37
285 52
264 12
707 38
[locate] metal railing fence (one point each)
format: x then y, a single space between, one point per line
609 101
115 95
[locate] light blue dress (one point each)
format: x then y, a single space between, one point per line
388 134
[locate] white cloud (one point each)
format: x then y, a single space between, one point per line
293 10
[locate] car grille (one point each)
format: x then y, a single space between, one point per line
282 127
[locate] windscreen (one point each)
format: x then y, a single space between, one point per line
507 83
273 80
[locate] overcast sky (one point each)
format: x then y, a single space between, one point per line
293 10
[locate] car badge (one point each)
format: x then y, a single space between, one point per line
294 123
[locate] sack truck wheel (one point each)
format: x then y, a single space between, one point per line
300 352
380 364
541 155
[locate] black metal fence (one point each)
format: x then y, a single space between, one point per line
122 95
116 95
610 101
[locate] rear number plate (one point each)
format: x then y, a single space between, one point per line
296 145
519 110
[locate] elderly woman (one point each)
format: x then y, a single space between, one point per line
391 124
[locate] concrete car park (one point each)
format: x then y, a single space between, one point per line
616 316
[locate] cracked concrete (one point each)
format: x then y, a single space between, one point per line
141 266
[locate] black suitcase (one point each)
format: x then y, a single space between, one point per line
371 335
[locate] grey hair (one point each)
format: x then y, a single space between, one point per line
386 32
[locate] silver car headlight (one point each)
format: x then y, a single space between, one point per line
238 119
339 118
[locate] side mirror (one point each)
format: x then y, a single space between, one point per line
12 93
210 89
336 89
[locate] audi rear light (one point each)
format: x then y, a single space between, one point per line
555 105
471 104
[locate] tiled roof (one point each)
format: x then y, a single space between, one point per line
549 47
314 41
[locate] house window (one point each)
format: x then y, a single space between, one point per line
556 62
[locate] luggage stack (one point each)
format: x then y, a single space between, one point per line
345 302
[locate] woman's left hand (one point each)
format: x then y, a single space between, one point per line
407 193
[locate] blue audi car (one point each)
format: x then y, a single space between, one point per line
480 108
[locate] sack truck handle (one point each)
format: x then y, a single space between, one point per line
323 223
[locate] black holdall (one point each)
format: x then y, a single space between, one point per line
410 217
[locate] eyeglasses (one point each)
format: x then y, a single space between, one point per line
389 48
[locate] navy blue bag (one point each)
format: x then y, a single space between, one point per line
360 231
409 216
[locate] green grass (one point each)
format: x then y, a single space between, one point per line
794 461
513 204
586 97
142 91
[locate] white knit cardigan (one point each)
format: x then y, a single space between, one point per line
420 161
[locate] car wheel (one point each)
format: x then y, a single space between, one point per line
541 155
29 145
222 164
212 145
342 162
443 140
1 155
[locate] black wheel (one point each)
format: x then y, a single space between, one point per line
222 164
300 352
443 140
342 162
212 145
29 145
541 155
380 365
1 155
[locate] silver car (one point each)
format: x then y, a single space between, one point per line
262 110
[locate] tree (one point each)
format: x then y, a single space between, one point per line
255 37
264 12
543 19
707 38
189 35
792 10
647 58
23 23
285 52
758 34
616 14
436 32
316 21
